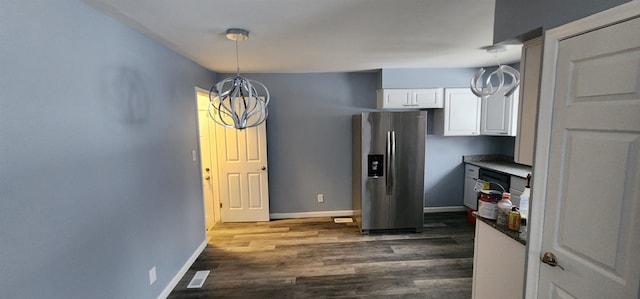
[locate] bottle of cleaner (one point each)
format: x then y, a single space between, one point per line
504 207
524 199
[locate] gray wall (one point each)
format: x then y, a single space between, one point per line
444 169
427 78
514 18
97 186
309 137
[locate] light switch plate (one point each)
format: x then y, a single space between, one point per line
152 275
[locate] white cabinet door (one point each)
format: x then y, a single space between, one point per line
498 265
427 98
470 196
499 114
461 113
409 98
394 98
528 101
470 179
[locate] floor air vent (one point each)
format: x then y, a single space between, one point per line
198 279
342 220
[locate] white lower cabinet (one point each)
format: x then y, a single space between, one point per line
498 265
470 179
460 115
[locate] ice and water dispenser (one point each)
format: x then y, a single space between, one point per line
375 167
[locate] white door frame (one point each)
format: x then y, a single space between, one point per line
214 162
543 133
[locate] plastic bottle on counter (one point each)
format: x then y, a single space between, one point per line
504 208
524 199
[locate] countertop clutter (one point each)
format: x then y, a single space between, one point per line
498 163
505 165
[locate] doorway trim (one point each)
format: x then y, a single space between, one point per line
551 42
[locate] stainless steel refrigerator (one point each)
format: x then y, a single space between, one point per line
388 170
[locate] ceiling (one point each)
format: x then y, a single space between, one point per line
299 36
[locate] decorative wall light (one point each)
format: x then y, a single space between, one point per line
235 102
499 75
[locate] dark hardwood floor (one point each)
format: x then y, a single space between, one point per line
317 258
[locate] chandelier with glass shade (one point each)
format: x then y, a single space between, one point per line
238 102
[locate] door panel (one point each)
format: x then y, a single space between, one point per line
592 206
243 170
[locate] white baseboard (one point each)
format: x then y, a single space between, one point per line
337 213
445 209
174 282
343 213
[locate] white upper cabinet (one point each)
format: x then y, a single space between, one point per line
528 106
499 114
461 113
409 98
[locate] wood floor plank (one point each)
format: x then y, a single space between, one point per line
317 258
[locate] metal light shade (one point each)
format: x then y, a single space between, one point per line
499 73
236 103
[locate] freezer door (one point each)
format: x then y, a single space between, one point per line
407 161
375 202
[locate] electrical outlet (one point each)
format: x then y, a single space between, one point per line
152 275
320 198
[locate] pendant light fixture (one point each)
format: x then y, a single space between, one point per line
238 102
499 74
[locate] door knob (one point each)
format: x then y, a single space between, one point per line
550 259
206 169
264 168
207 178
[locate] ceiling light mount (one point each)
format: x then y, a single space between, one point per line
496 49
237 34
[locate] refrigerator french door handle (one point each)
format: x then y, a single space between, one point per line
392 163
388 158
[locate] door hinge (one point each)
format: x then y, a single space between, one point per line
221 205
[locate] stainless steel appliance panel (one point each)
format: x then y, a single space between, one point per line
406 201
395 199
375 203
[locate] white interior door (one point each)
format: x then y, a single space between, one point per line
591 189
206 168
242 162
208 162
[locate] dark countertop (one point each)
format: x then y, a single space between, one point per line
519 236
498 163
